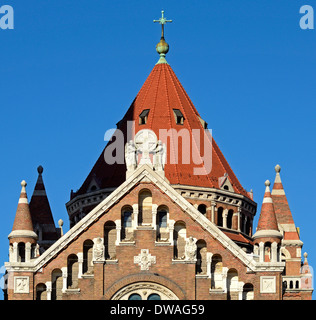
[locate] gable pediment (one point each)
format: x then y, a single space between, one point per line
143 174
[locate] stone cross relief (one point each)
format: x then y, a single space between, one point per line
144 259
144 144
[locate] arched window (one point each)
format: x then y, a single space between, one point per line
21 252
201 257
267 251
232 284
134 296
41 293
109 240
216 271
162 223
87 257
248 293
248 226
230 219
179 240
220 216
154 296
57 284
72 269
202 208
127 232
145 207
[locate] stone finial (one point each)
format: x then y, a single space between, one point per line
277 168
23 185
40 169
305 257
267 183
61 223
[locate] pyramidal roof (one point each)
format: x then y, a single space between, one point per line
161 100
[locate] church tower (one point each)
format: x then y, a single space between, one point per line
160 216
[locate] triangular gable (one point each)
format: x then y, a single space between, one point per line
143 172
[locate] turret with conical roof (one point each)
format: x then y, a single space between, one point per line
267 236
42 217
22 237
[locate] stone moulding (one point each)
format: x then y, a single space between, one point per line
137 176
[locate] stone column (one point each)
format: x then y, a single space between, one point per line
209 256
240 290
154 216
225 214
48 290
224 279
28 252
118 224
238 219
135 213
171 229
274 248
261 252
80 264
213 205
64 272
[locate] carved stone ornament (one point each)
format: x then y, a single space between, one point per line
267 284
146 142
21 284
144 259
130 156
98 250
190 249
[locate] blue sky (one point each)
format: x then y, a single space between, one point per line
70 69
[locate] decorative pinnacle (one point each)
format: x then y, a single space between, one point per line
162 21
40 169
162 47
267 183
23 185
277 168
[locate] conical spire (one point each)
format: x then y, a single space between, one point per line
282 209
41 213
22 226
267 224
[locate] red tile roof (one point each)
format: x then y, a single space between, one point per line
161 93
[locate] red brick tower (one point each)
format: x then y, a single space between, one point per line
23 247
291 243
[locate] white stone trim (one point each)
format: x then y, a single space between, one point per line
267 234
278 192
138 175
23 234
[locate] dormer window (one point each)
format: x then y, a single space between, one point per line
143 117
178 116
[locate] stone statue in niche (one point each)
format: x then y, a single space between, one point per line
130 156
190 249
98 250
160 156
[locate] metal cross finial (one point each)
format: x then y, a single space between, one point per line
162 21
